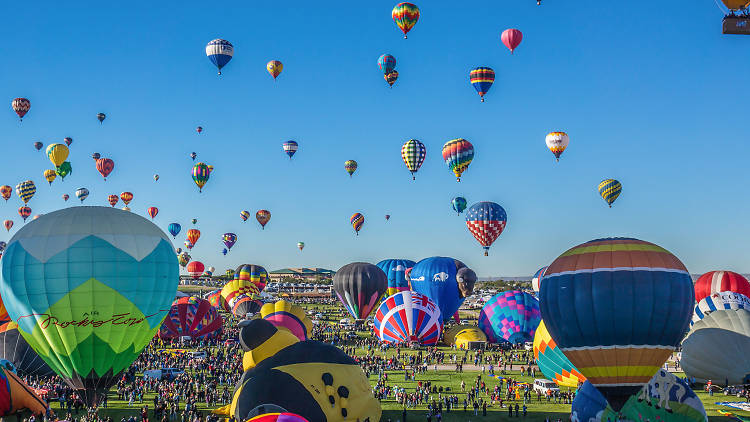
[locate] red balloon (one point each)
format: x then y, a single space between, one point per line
105 166
195 268
8 224
720 281
191 316
65 197
24 212
511 38
113 199
152 211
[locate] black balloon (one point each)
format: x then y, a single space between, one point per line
360 286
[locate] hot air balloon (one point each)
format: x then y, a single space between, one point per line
277 417
96 156
210 169
557 142
255 274
193 155
458 154
14 349
188 244
8 224
113 199
350 166
263 217
21 106
64 169
387 217
217 301
183 259
391 77
105 166
174 229
511 38
245 306
229 240
38 145
459 204
65 197
552 362
287 316
481 79
719 302
510 316
156 178
101 117
359 286
195 269
652 292
406 16
6 191
733 22
199 129
152 211
57 154
26 190
274 67
126 197
357 220
244 215
446 281
537 279
200 175
82 193
413 153
386 63
75 279
224 251
395 271
290 147
191 317
50 176
210 270
220 52
236 288
720 281
300 245
609 190
408 317
194 221
68 140
193 235
486 221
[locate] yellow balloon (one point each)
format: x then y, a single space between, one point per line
50 175
274 67
288 316
57 153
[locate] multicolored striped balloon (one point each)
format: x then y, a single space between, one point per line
200 175
391 77
350 166
481 79
113 200
263 217
290 147
651 293
386 63
245 215
357 221
458 154
486 221
610 189
552 361
126 197
26 190
408 317
24 212
413 153
152 211
406 16
82 193
252 273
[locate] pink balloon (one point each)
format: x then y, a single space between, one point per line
511 38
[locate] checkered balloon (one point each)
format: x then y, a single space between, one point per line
511 316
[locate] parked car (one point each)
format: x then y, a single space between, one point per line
163 373
544 386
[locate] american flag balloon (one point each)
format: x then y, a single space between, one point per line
486 221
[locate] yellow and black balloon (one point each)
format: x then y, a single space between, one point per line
309 378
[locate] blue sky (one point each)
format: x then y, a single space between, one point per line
649 93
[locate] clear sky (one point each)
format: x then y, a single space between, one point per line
650 93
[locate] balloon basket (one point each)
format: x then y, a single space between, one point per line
736 25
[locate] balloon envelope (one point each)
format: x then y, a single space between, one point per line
718 302
408 317
511 316
440 279
720 281
359 286
395 270
192 317
287 316
552 361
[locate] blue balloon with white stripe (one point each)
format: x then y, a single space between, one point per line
719 302
220 52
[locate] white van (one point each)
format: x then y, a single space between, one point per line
545 385
164 373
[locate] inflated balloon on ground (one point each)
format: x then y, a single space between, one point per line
408 317
511 316
446 281
359 286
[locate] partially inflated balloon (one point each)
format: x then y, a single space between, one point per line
16 350
246 305
413 153
191 317
220 52
446 281
103 281
288 316
458 154
408 317
359 286
263 217
406 16
652 292
609 190
274 67
395 270
511 316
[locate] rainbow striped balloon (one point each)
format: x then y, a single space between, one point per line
357 221
458 154
406 16
482 78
